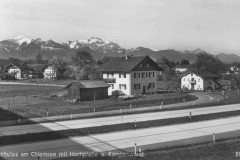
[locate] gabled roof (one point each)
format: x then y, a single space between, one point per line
37 66
88 84
11 64
121 64
202 74
164 64
182 66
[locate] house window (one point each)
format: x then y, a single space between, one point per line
135 75
153 74
143 75
124 75
191 74
123 86
119 75
150 74
151 85
146 74
136 86
112 85
112 75
139 75
107 75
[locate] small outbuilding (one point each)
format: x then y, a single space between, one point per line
87 90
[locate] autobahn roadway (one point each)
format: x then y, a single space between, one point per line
94 122
124 141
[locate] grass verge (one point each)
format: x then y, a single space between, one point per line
224 149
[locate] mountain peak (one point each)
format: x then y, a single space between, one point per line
199 51
95 39
21 39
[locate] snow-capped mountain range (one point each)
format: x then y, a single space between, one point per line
21 43
26 48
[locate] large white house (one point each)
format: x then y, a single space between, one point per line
131 75
193 80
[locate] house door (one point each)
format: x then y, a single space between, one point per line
143 89
192 86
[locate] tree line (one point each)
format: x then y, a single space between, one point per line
83 64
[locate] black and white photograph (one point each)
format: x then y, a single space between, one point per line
119 80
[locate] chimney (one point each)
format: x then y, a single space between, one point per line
125 54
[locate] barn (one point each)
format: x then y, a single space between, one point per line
87 90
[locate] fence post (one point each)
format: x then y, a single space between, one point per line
190 115
71 116
135 123
214 138
135 149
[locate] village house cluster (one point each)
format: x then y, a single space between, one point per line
22 70
129 75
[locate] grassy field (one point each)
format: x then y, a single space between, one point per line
26 90
225 150
33 101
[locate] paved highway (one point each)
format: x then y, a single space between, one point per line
85 123
124 141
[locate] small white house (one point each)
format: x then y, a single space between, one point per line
131 75
179 69
193 80
49 72
13 69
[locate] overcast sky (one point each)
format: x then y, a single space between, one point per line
212 25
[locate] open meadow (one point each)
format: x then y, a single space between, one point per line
41 101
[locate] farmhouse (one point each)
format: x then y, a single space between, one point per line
131 75
87 90
36 70
179 69
194 80
235 69
14 69
49 72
